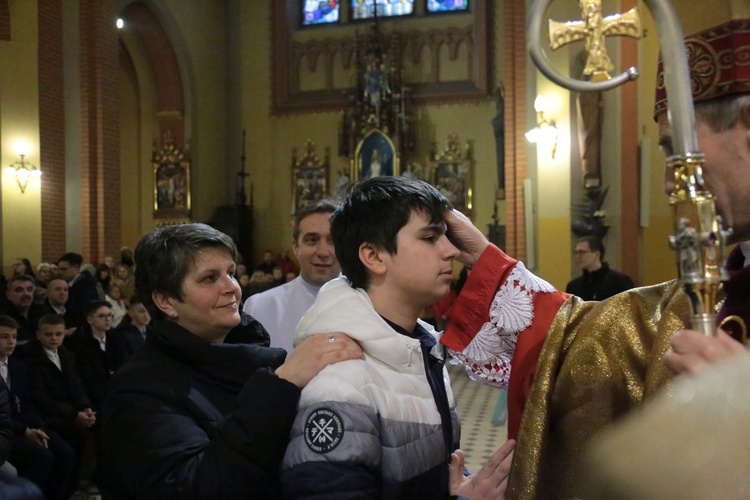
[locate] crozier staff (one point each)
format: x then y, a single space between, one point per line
190 415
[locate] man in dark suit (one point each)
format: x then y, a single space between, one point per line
57 296
19 305
599 281
38 454
82 285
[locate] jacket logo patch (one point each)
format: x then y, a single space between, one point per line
324 430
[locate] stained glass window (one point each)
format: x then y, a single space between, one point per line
320 12
363 9
447 5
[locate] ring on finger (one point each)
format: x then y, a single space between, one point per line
331 338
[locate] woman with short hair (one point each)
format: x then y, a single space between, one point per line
190 415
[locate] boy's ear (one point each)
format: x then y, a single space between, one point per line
371 257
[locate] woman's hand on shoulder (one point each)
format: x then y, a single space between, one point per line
315 353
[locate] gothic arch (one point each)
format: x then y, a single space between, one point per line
155 87
142 22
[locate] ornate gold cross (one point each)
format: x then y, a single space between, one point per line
594 29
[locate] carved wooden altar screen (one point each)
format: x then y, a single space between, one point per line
314 68
330 56
377 128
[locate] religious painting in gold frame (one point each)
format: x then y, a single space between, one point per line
375 156
171 182
309 177
453 173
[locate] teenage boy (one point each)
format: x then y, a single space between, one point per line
386 426
39 454
58 392
82 286
99 350
11 485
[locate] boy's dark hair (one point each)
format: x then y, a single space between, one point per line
324 206
92 306
136 299
8 322
374 211
164 257
72 258
50 319
595 244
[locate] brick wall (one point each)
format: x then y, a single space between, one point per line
99 128
100 148
51 128
99 140
514 60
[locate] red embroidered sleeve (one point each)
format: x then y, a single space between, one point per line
503 308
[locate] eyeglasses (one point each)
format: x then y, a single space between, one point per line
582 252
104 316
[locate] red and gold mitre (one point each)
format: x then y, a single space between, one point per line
719 61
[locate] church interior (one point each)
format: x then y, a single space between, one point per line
121 116
215 111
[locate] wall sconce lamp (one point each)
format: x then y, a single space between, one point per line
23 170
545 131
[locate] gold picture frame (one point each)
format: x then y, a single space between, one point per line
171 169
452 172
375 155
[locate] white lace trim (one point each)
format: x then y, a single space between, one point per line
487 358
529 280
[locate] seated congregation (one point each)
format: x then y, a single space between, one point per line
65 328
